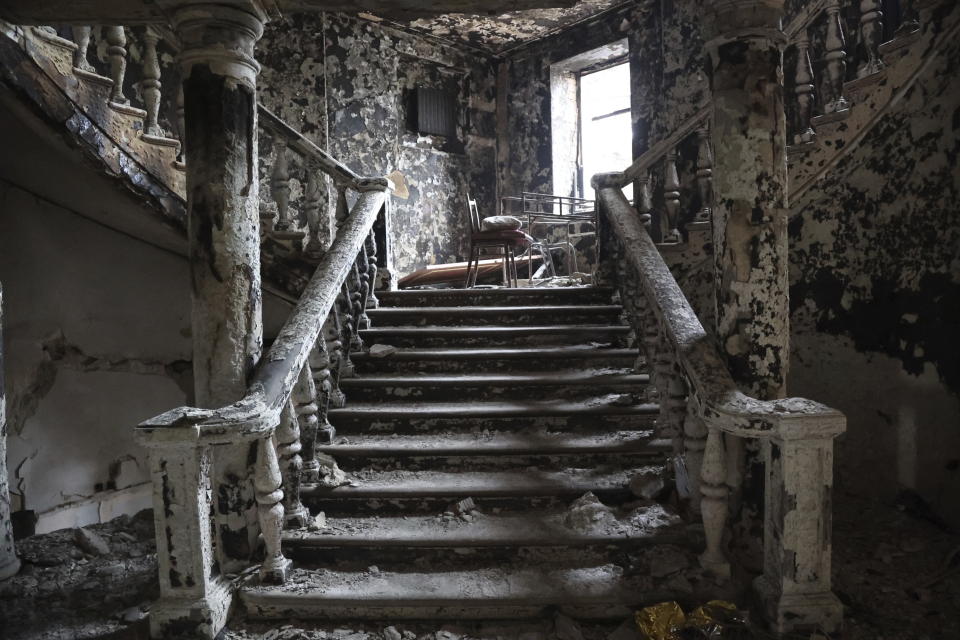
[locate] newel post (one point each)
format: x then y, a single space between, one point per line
9 564
795 586
219 75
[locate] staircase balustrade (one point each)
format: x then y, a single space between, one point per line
700 405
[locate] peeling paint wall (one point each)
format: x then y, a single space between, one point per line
97 339
352 96
875 285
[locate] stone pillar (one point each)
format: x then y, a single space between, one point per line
9 564
750 183
795 586
220 117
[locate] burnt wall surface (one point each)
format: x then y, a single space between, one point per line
875 295
668 83
348 85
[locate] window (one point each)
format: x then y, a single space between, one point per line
606 132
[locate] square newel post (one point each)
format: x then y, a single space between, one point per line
219 75
795 585
194 600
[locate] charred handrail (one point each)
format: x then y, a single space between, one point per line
299 143
713 391
658 151
259 411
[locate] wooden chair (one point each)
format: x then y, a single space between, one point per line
507 241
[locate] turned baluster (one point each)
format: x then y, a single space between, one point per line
343 210
332 337
871 34
649 344
673 393
671 196
117 50
372 301
150 85
645 200
280 185
694 443
347 331
321 366
631 298
836 60
804 91
713 504
353 290
181 126
704 174
267 481
319 240
81 35
909 18
289 446
363 267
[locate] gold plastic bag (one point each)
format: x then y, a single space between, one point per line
661 621
715 612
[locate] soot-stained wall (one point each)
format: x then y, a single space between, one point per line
875 295
668 84
347 83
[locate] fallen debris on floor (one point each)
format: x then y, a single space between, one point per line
382 350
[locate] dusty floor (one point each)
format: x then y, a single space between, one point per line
897 573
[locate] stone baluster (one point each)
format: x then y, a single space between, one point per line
334 345
289 446
343 210
649 343
182 127
150 85
694 443
363 276
280 185
372 301
81 35
671 195
673 394
713 504
117 51
9 563
644 200
909 18
267 481
803 88
704 174
871 34
347 330
836 60
313 205
320 365
353 293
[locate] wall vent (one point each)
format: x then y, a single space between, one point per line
436 112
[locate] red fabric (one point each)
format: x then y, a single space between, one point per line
513 236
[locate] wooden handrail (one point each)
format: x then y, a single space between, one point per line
259 411
661 148
715 394
340 172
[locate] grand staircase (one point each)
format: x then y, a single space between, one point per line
488 464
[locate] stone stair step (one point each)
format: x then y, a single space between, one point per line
486 297
477 336
489 386
475 415
494 315
642 526
495 359
496 450
597 592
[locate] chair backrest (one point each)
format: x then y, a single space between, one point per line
474 214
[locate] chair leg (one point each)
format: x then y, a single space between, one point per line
513 269
473 268
506 268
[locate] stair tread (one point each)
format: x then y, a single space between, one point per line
565 351
373 484
495 408
495 330
650 523
584 376
599 584
495 309
500 443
